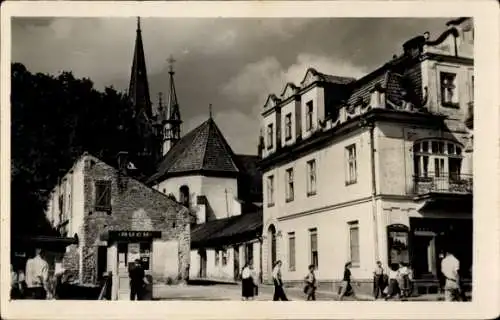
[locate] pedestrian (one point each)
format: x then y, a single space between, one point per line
137 281
255 279
310 287
450 267
279 293
37 276
346 288
393 286
404 280
247 283
378 280
18 285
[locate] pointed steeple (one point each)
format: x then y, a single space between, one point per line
139 87
173 116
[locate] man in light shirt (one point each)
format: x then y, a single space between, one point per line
37 274
449 267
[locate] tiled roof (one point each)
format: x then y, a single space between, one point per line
202 149
388 80
227 228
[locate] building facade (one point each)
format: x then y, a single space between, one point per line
378 168
116 220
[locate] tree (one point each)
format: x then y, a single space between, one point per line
54 120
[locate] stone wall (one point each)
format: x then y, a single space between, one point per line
134 207
71 261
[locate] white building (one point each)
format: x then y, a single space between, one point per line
377 168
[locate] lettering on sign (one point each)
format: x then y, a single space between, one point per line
134 235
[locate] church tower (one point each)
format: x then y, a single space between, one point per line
172 122
139 87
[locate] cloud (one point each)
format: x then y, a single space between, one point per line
256 80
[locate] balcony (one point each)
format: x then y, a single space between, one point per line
443 183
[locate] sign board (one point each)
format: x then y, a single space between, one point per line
134 236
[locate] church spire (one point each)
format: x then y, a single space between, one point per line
139 86
173 116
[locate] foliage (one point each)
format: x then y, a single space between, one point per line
54 119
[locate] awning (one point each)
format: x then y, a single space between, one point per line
53 243
448 204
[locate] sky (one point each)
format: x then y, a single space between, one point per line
231 63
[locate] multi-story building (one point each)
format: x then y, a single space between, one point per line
376 168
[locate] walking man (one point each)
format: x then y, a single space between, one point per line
449 267
279 293
37 276
378 280
137 281
310 288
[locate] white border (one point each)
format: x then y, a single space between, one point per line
486 152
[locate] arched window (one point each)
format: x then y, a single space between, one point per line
184 195
433 158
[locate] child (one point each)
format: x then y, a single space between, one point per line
404 279
393 288
310 288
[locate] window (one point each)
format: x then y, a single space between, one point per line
184 196
309 115
351 170
291 251
224 257
311 177
145 253
354 243
288 126
313 236
270 136
289 185
61 208
449 95
103 195
217 257
437 159
270 191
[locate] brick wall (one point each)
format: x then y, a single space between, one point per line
134 207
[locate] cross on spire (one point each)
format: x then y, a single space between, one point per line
171 62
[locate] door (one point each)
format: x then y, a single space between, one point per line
102 264
424 256
203 264
236 254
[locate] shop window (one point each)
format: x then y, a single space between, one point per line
145 255
397 240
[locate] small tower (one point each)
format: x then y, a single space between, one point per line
172 121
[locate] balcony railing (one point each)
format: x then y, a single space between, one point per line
443 183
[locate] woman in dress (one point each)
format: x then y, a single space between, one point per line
279 293
247 283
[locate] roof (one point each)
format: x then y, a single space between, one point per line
202 149
226 229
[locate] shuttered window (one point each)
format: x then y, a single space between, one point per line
103 195
313 233
354 242
291 251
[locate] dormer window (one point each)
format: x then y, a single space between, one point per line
309 115
270 135
449 94
288 126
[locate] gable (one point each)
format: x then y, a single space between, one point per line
271 101
289 91
310 77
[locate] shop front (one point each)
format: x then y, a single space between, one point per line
124 248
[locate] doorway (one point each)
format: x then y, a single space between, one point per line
424 256
202 273
271 235
127 254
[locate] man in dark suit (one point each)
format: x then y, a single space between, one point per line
136 274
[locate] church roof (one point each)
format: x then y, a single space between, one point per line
204 150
